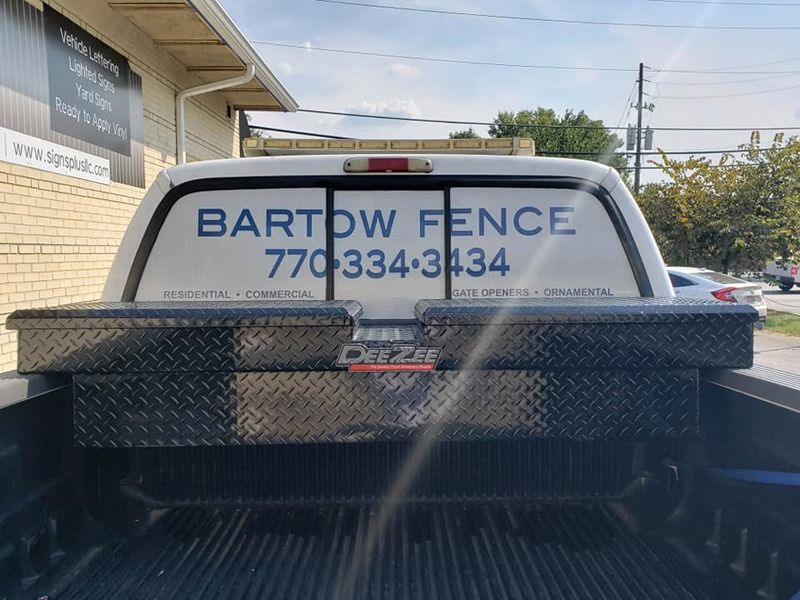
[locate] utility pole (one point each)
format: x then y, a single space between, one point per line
639 108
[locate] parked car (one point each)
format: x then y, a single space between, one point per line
703 283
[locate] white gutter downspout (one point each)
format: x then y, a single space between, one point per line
180 102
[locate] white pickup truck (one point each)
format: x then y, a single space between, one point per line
783 274
386 372
517 227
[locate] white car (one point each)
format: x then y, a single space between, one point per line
703 283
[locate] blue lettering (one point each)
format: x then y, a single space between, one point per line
284 224
204 222
459 221
377 220
351 226
555 220
424 221
309 213
484 215
518 225
245 222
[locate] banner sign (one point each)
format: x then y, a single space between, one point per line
21 149
89 85
69 103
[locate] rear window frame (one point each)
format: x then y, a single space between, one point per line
380 182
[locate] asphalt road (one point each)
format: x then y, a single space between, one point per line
788 302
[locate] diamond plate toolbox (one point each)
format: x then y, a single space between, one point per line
625 333
175 374
183 337
266 408
482 334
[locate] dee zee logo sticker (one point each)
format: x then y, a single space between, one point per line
400 357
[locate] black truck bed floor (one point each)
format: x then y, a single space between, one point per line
558 551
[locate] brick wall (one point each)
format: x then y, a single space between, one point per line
58 235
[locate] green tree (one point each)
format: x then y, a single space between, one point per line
731 216
573 134
463 133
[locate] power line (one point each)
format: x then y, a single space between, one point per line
578 127
733 95
760 64
724 71
294 131
444 60
446 121
561 21
439 11
730 69
627 109
456 61
727 2
729 82
308 133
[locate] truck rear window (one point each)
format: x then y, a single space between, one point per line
388 247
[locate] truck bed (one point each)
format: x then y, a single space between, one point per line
550 519
435 550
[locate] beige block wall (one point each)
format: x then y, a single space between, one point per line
58 235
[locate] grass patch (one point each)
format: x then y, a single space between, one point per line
783 323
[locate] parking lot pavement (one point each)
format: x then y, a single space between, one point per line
788 302
777 350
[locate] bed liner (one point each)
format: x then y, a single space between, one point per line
558 551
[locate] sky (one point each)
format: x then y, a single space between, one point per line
403 87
